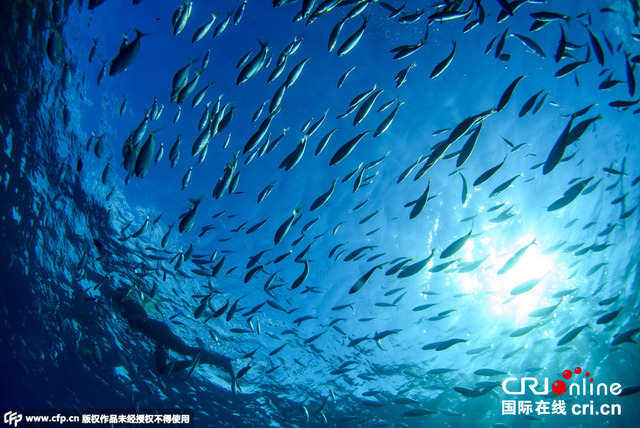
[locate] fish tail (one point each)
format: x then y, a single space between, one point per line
140 33
233 383
157 130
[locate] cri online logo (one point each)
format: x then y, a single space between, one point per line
559 387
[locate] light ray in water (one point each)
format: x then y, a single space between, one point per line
333 238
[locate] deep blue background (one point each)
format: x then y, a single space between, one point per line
54 315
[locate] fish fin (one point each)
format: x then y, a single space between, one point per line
154 131
140 33
197 200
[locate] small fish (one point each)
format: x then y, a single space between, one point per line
239 12
204 29
232 311
188 219
346 149
455 246
531 44
477 351
595 45
546 311
295 73
502 187
469 392
418 412
471 266
243 371
406 50
253 66
126 55
324 198
506 96
401 76
381 335
467 148
344 76
605 319
570 68
528 105
223 25
218 313
571 335
515 258
488 173
570 195
416 267
278 349
313 338
442 65
501 43
629 390
631 80
284 227
489 372
365 107
441 346
438 372
408 401
522 331
448 15
526 286
363 280
303 276
550 16
324 141
624 337
608 301
335 33
420 202
352 40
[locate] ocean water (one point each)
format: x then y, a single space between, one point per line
554 230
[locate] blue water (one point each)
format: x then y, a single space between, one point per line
65 343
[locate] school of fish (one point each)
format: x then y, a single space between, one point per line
285 287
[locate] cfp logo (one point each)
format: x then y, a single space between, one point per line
12 418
